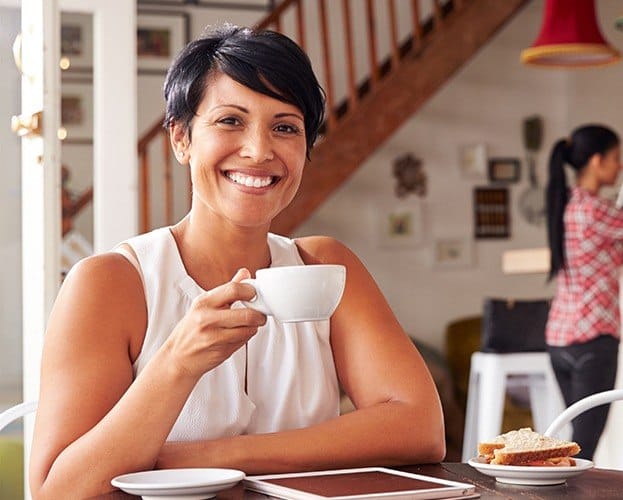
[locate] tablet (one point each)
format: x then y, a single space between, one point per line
352 484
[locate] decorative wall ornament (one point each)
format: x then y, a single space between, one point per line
410 176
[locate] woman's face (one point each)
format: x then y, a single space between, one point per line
246 153
611 165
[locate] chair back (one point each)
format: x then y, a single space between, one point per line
17 411
598 399
12 453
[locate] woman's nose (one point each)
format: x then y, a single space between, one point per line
258 147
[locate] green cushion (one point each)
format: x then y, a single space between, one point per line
11 468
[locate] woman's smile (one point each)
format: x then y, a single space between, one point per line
251 180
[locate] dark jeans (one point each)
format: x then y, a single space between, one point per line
582 370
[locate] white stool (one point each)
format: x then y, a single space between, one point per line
487 390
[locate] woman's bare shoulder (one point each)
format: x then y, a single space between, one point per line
103 290
323 249
106 276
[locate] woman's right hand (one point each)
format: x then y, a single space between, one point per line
211 331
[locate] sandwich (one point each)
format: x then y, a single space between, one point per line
526 447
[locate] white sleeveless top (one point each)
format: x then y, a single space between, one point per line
291 378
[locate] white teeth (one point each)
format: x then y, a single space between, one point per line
248 180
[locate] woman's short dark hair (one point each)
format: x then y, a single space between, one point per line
585 141
262 60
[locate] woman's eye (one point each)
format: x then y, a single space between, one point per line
230 120
287 129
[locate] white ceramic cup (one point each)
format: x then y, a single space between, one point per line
298 293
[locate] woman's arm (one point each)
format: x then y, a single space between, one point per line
94 421
398 417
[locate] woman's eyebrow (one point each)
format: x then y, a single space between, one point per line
241 108
291 115
245 110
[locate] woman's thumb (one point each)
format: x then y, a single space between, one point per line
241 274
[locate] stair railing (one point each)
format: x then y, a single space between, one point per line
339 107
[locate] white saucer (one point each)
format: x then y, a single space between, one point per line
178 484
528 475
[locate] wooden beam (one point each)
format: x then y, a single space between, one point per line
393 100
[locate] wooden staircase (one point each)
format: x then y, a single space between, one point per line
439 42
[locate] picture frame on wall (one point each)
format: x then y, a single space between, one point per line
162 2
77 42
77 112
260 5
473 161
492 212
504 170
160 35
400 227
453 252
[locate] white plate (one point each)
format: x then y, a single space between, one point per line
528 475
172 484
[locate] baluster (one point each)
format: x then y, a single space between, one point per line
417 23
300 24
394 34
145 201
374 67
437 13
326 55
350 58
168 179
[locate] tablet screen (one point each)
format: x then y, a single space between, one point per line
356 483
364 483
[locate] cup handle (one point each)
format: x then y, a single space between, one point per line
256 303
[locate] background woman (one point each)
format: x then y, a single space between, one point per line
150 362
585 234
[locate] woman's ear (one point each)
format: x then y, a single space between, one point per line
594 164
180 141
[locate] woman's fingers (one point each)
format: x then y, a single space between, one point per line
212 330
223 296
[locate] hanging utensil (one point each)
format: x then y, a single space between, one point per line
532 200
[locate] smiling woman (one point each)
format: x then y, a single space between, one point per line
150 357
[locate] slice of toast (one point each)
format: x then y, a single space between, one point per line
524 446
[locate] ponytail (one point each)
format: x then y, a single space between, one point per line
556 200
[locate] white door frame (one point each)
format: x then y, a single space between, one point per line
115 164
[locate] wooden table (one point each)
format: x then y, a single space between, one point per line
593 484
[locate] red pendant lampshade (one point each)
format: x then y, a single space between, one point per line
570 37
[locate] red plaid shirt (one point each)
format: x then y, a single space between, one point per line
586 303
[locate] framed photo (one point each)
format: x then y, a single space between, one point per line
77 111
453 252
77 41
473 161
504 170
160 35
264 5
163 2
491 213
400 227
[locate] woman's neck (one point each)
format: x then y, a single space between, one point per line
212 253
588 183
